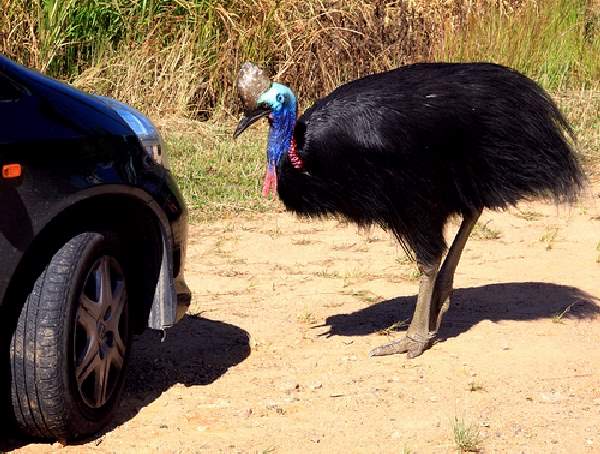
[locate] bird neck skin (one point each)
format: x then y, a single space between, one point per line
281 129
282 121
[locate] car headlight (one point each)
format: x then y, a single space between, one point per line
143 128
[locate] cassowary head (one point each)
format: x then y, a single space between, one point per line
260 97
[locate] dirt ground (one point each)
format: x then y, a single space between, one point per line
273 356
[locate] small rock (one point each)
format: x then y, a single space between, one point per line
554 442
589 442
433 399
396 435
289 387
551 397
275 407
315 438
201 428
247 412
291 399
485 424
316 385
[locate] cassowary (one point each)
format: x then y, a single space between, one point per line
410 148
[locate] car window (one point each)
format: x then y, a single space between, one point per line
8 90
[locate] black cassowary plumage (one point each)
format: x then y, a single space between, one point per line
411 147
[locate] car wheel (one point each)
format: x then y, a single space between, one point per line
70 348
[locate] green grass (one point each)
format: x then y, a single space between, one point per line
549 237
218 176
556 42
466 436
559 317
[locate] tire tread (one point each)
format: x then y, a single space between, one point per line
37 386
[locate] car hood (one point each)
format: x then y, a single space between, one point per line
87 113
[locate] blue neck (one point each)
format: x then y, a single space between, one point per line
280 134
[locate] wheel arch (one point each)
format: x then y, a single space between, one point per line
146 236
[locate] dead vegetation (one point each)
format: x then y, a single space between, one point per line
180 57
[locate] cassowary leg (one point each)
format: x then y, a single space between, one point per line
418 336
445 278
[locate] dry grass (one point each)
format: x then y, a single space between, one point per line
558 317
181 56
162 80
549 237
528 215
483 231
466 436
582 108
556 42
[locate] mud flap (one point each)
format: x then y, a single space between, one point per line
163 313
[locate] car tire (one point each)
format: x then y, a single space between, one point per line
70 349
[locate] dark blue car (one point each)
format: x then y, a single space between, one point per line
92 242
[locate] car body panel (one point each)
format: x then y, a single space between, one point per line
72 148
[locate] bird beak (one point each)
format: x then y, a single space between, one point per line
251 117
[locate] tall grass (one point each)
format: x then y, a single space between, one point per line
556 42
181 56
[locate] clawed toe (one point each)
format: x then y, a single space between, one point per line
411 347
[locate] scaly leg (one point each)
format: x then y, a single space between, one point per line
418 336
445 278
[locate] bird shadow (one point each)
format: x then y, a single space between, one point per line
196 351
519 301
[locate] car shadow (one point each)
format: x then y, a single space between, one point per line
196 351
511 301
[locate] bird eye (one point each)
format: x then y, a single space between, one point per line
280 98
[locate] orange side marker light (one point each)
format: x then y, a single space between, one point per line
11 171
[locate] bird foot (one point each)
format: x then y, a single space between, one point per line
413 346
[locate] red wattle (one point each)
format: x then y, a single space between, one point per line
270 183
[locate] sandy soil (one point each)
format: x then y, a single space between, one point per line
273 357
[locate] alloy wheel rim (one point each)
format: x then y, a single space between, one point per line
100 330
